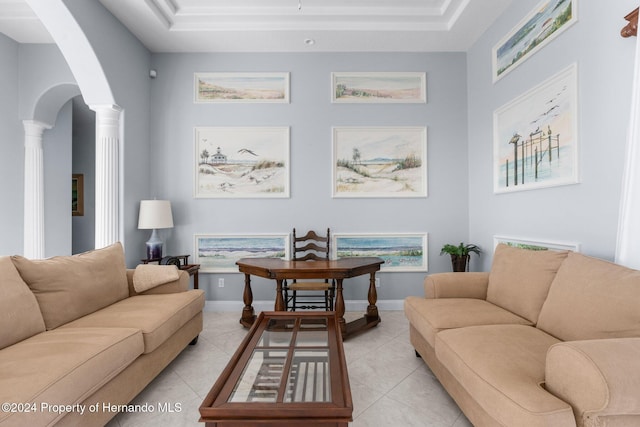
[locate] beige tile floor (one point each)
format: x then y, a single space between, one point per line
390 386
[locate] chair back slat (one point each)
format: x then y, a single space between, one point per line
311 245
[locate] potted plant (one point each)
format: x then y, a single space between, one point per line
460 255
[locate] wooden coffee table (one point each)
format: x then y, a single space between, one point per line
290 370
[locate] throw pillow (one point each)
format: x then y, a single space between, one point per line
147 276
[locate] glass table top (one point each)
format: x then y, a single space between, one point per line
290 363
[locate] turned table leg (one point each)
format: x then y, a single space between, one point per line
372 309
248 315
340 307
279 298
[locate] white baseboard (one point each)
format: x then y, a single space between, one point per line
258 306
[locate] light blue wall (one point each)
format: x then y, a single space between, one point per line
12 149
57 184
311 116
160 116
84 162
585 213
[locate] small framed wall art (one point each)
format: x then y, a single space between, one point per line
77 194
379 87
241 87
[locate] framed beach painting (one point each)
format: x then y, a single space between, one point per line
400 251
241 87
545 22
218 253
379 162
241 162
536 136
536 245
379 87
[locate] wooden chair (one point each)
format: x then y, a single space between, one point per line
313 294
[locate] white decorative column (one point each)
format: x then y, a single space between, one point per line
107 174
34 189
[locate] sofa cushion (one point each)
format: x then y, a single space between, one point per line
69 287
592 299
157 316
18 307
520 278
502 367
63 366
430 316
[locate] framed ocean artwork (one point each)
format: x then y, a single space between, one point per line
218 253
536 245
400 251
545 22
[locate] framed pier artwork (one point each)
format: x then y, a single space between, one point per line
535 143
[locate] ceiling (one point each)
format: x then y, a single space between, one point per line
284 25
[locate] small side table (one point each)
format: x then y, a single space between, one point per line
182 260
192 269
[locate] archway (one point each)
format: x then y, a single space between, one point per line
77 50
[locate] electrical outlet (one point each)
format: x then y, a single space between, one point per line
221 282
377 282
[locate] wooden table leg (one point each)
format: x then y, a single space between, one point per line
279 298
372 309
340 307
248 315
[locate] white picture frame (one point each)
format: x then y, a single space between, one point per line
402 252
379 162
241 162
379 87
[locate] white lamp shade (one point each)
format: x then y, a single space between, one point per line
155 214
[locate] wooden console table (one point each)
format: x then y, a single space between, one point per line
290 370
339 269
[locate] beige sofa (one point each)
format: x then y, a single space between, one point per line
77 341
545 338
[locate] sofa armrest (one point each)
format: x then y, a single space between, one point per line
456 285
600 379
180 285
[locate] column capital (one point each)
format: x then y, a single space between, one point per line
33 130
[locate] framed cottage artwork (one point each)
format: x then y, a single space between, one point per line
241 162
535 143
379 162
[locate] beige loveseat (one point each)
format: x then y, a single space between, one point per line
77 341
545 338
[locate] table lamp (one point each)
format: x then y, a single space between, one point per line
155 214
